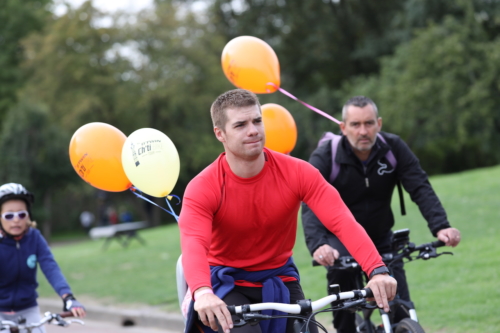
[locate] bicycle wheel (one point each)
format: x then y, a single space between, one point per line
408 325
360 324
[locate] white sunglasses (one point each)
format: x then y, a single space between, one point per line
9 216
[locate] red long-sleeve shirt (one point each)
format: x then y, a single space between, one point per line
251 223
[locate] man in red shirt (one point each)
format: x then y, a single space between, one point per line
239 220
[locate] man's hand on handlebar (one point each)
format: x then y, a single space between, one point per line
326 255
211 309
384 288
450 236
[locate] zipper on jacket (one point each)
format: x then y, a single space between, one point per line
18 246
367 183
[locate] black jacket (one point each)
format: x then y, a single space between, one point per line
367 190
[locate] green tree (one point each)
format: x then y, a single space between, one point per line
441 93
323 44
35 154
74 69
319 43
17 20
179 80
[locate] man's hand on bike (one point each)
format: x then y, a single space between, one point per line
211 309
449 236
384 288
325 255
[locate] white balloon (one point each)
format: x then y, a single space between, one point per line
151 161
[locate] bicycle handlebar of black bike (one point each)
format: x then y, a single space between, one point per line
434 244
347 262
302 306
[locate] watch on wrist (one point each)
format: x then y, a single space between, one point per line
379 270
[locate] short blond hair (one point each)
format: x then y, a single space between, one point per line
236 98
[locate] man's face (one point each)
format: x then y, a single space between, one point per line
361 127
244 135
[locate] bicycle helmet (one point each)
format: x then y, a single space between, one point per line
12 191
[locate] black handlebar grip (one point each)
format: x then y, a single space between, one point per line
66 314
232 309
315 263
369 292
437 243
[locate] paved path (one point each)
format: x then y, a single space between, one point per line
93 326
101 318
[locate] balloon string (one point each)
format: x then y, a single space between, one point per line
286 93
171 212
169 206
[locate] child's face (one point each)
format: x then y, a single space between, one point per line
14 217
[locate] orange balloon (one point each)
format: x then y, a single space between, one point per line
250 63
280 128
95 151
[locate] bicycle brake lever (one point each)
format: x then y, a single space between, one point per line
351 304
444 253
239 323
62 323
252 318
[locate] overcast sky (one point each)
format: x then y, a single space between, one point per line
108 5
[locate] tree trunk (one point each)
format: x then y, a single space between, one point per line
47 224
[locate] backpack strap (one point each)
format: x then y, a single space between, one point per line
389 156
392 160
335 166
335 140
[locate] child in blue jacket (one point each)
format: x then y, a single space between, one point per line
22 248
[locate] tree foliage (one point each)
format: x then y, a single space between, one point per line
74 70
431 66
17 20
35 154
179 81
441 93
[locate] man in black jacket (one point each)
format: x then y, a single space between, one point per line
366 181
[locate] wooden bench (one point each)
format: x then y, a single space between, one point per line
123 233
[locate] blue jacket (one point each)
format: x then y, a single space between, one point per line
273 290
18 262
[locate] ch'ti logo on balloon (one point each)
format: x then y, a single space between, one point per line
134 155
84 168
149 147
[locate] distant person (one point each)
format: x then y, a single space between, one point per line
102 208
125 215
366 181
87 220
112 215
238 224
22 248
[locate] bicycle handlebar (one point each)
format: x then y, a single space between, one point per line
434 244
301 308
348 262
344 262
48 317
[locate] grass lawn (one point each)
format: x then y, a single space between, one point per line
459 293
